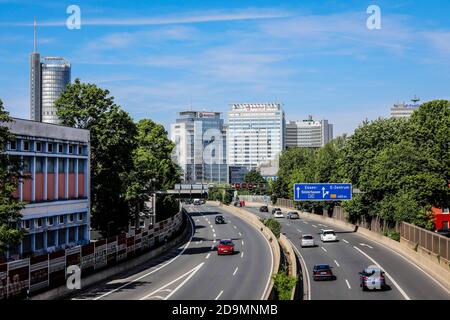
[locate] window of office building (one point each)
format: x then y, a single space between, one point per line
60 148
81 232
80 216
81 166
50 165
26 145
71 217
62 236
26 224
38 222
51 234
70 148
12 145
39 241
39 164
38 146
61 219
61 165
50 221
71 165
80 149
50 147
26 164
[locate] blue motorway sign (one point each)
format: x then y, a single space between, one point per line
322 191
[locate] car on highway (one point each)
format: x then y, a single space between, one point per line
197 202
293 215
225 246
219 220
328 236
278 214
275 209
263 209
323 272
372 278
307 240
444 232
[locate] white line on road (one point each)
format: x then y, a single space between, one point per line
305 222
336 263
191 273
365 245
208 255
345 240
201 241
242 254
348 284
314 226
235 227
212 247
213 230
240 234
242 242
218 296
299 230
235 270
387 274
324 249
153 271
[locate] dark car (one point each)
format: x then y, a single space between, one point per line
219 220
372 278
237 204
323 272
444 232
275 209
263 209
225 246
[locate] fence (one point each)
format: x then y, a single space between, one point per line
49 270
425 239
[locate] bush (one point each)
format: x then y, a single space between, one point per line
283 285
274 226
227 197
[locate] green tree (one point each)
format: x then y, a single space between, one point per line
283 285
254 177
113 140
10 233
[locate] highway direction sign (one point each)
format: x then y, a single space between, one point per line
322 191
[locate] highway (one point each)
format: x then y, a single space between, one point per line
348 257
194 271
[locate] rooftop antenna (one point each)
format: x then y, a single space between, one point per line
415 99
34 39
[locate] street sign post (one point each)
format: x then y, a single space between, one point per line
322 192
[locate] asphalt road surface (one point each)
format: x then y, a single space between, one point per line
348 257
194 271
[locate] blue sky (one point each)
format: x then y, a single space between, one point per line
159 57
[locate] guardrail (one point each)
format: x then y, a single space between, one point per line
26 276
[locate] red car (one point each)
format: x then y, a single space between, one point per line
225 246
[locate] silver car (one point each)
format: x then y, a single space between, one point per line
307 241
372 278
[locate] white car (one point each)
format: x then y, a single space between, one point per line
278 214
328 236
307 241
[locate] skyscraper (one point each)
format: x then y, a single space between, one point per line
308 133
200 151
48 78
255 133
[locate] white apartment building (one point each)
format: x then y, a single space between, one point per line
255 133
308 133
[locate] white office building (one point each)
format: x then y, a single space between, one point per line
308 133
403 110
200 140
255 134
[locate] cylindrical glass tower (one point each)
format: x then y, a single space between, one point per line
55 74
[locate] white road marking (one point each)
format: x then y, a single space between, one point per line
288 224
240 234
208 255
314 226
365 245
299 230
336 263
201 241
153 271
242 254
218 296
191 273
345 241
235 270
212 247
235 227
348 284
324 249
242 242
305 222
387 274
214 235
213 230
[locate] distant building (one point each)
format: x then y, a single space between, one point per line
256 134
200 139
56 160
403 110
308 133
49 76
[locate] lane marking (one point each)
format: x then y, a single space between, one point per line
235 270
201 241
242 254
299 230
213 230
348 284
336 263
208 255
242 242
218 296
314 226
235 227
240 234
305 222
387 274
191 273
155 270
345 241
212 247
304 269
324 249
365 245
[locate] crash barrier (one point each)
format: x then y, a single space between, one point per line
422 247
254 198
24 277
290 256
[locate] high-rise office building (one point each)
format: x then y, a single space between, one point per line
255 133
200 139
404 110
308 133
48 78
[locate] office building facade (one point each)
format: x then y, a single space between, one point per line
56 188
308 133
200 140
403 110
256 134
